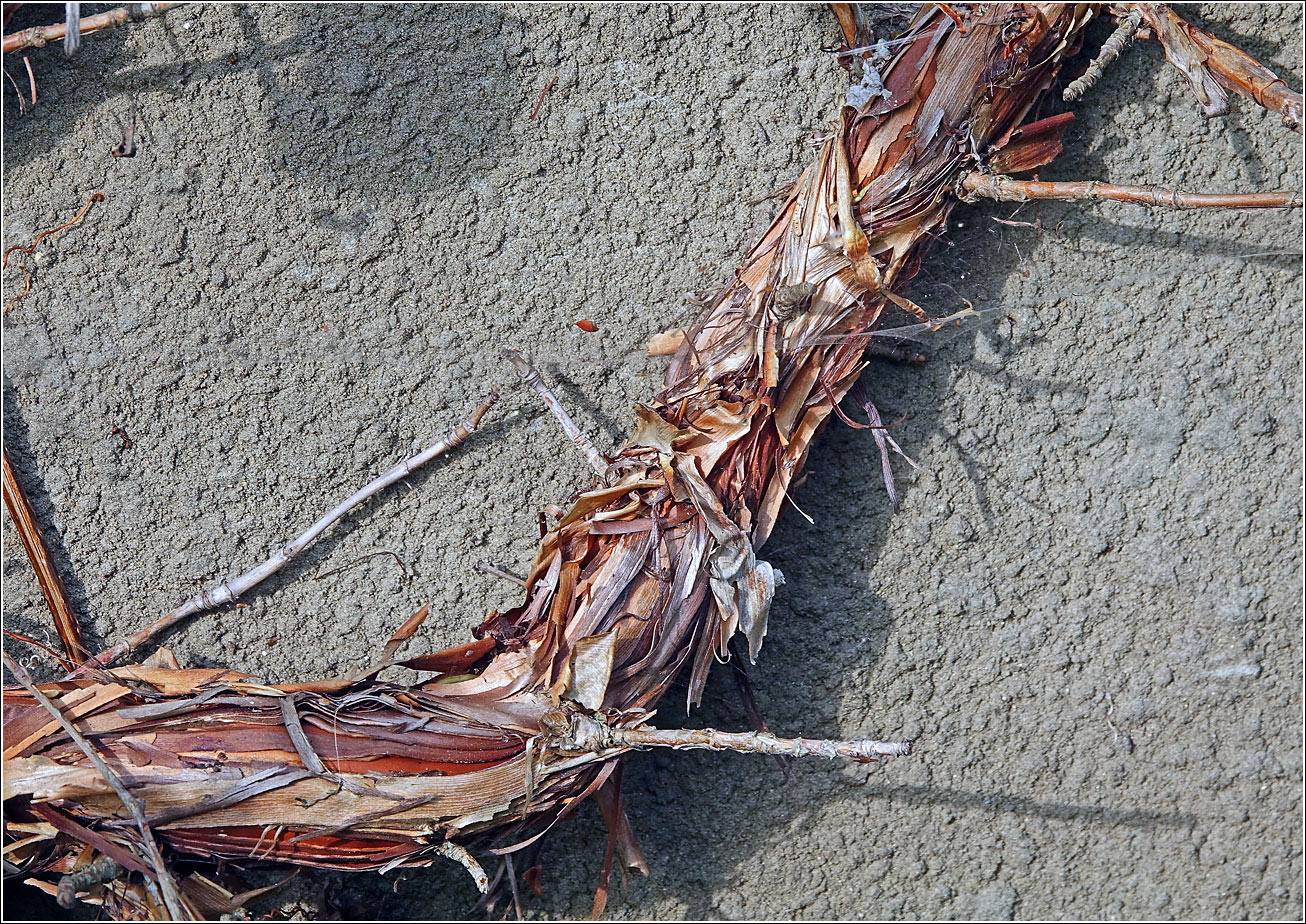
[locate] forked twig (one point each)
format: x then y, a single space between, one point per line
531 376
1008 189
167 886
230 589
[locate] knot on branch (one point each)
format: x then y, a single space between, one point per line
575 731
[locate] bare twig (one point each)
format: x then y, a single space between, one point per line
37 36
38 553
579 732
1109 51
531 376
167 886
459 852
486 568
228 590
976 185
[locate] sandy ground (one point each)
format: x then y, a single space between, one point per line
1087 611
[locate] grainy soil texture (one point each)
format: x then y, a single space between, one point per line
1087 612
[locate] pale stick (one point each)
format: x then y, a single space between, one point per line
580 732
531 376
232 588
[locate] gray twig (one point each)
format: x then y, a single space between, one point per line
531 376
230 589
580 732
1109 51
486 568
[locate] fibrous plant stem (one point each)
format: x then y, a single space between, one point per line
583 733
167 885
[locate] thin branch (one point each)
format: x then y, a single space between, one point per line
459 852
486 568
167 886
581 733
531 376
38 553
1110 50
232 588
37 36
1007 189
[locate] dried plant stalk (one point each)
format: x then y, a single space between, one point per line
47 575
649 575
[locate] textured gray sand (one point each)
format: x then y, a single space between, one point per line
1087 612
